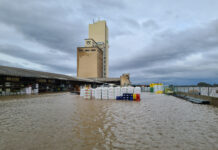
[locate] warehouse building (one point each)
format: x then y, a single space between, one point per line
16 81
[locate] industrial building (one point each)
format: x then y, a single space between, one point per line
99 32
92 59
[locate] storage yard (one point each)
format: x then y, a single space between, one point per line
112 93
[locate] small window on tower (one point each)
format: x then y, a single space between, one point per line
88 42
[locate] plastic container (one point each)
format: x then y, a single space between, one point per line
98 93
137 97
105 93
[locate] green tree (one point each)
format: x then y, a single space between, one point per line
203 84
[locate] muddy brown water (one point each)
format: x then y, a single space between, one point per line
66 121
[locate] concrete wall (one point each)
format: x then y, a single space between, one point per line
89 62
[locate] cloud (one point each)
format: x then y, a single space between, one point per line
59 63
43 23
150 24
151 42
169 46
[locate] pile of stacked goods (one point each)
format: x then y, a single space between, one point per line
82 92
111 93
105 93
118 93
93 93
88 93
98 93
132 94
123 90
157 88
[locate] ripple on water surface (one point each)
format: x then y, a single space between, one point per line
66 121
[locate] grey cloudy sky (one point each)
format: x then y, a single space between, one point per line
175 42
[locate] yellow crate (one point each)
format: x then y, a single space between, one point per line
134 96
159 92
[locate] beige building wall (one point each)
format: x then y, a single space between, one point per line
125 80
99 32
89 62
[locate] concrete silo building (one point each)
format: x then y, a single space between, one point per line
92 59
99 32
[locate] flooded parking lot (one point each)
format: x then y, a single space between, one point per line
66 121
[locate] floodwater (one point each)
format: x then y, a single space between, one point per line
66 121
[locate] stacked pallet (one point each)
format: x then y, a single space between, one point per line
117 91
87 94
137 90
111 93
123 90
82 92
105 93
98 92
130 90
93 93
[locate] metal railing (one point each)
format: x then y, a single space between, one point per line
196 90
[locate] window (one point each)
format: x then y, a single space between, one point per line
93 50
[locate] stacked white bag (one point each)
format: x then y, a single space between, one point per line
98 93
105 93
93 93
28 90
123 90
87 94
130 90
111 93
137 90
117 92
82 92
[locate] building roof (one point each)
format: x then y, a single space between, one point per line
106 79
19 72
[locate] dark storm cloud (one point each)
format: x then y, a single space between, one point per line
151 42
170 46
43 23
101 8
131 22
50 60
150 24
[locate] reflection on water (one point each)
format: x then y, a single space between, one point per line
65 121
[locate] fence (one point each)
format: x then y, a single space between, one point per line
206 91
